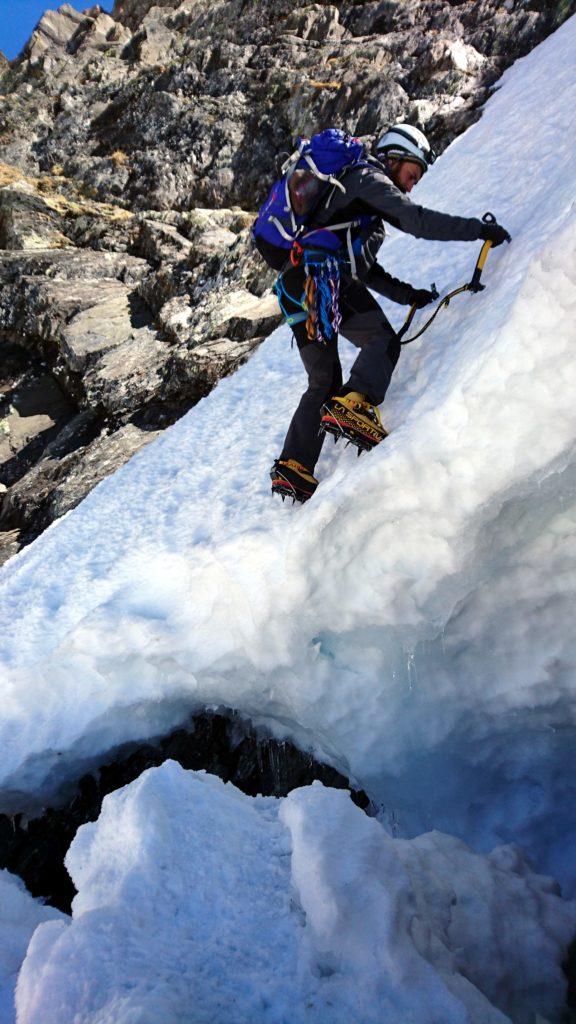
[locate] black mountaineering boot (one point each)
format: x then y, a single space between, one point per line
290 479
353 417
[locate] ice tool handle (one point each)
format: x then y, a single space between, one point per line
475 285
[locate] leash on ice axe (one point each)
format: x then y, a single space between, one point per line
472 286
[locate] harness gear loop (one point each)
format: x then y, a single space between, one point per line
281 293
472 286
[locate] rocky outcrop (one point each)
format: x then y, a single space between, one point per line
113 325
159 104
67 31
53 212
134 146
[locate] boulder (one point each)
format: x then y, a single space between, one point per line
53 32
316 22
132 12
51 213
100 33
67 471
32 411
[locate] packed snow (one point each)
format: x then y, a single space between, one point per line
413 623
199 905
20 916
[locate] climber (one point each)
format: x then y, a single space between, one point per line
378 187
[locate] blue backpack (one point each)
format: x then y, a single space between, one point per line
307 176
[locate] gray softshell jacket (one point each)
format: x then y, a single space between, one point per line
370 190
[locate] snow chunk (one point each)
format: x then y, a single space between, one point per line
386 911
183 907
20 915
199 904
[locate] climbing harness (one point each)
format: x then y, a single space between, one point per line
472 286
283 295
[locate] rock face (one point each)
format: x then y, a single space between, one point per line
159 103
110 330
134 146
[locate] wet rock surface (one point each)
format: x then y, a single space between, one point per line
222 744
134 147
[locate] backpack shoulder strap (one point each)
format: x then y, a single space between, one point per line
347 170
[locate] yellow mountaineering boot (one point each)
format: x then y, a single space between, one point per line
352 416
290 479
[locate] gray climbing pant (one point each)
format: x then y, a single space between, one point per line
364 324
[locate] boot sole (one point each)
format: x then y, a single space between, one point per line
286 490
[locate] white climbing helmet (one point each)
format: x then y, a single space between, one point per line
405 142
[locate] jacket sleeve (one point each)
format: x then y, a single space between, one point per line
378 194
383 283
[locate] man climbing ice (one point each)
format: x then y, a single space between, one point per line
367 194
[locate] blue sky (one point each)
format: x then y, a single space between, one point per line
18 19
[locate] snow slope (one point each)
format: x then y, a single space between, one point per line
308 913
414 620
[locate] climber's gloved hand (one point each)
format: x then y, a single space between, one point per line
495 233
420 297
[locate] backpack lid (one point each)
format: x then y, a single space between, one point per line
333 149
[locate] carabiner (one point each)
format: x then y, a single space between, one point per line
296 253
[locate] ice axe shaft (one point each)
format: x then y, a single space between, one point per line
412 313
475 285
